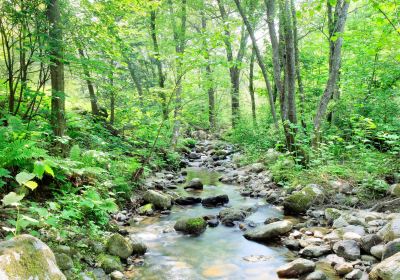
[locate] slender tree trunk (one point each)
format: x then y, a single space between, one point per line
92 95
251 88
297 65
57 118
112 95
342 8
137 82
161 76
209 79
180 43
260 61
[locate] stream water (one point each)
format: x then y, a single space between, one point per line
219 253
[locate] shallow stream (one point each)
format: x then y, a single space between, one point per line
219 253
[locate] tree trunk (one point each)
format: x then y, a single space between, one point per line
161 77
341 8
209 79
136 81
57 118
251 88
112 95
92 95
260 61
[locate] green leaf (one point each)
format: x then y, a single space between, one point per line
48 170
12 199
4 173
38 169
24 177
31 184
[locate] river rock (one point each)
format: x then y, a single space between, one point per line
194 184
194 226
117 275
138 247
270 231
377 251
146 210
343 268
64 261
110 263
296 268
316 275
356 274
299 201
230 215
388 269
159 200
395 190
257 167
347 249
26 257
391 248
215 200
391 230
314 251
332 214
368 241
117 245
189 200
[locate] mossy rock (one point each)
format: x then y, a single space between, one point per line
26 257
64 261
194 226
332 214
146 210
110 263
139 248
159 200
299 202
117 245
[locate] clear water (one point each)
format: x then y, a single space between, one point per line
219 253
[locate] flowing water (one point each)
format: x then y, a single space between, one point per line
218 253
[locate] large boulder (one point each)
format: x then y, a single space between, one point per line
117 245
296 268
194 184
269 231
214 201
391 248
347 249
110 263
368 241
26 257
388 269
158 199
194 226
229 216
189 200
391 230
300 201
138 247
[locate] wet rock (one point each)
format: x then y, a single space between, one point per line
391 230
159 200
347 249
26 257
138 247
368 241
194 226
117 275
189 200
292 244
388 269
230 215
110 263
194 184
343 268
215 200
300 201
146 210
391 248
117 245
377 251
267 232
64 261
296 268
316 275
213 223
272 220
314 251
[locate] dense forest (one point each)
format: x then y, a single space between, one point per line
128 127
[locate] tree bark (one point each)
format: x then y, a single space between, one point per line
209 79
92 95
161 76
341 8
137 82
57 118
112 95
260 62
251 88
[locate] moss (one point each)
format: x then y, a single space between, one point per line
191 225
299 202
146 209
110 263
117 245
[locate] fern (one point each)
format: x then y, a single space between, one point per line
18 152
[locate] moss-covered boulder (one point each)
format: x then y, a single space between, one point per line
26 257
299 201
64 261
110 263
139 248
194 226
159 200
117 245
146 210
